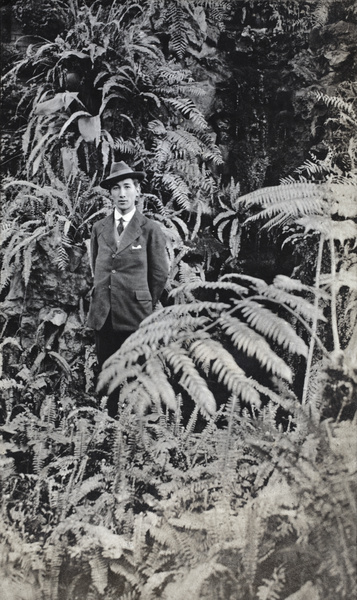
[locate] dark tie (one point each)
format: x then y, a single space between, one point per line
120 227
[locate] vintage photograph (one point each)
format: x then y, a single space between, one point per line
178 300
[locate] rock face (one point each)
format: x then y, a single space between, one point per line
262 68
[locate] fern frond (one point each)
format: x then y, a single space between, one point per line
292 285
338 230
191 584
155 370
62 258
93 483
40 455
234 288
48 410
177 26
188 108
253 344
178 188
99 571
272 326
273 587
181 363
277 194
171 75
223 365
300 305
338 103
286 203
321 12
184 143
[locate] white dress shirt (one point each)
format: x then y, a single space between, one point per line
126 218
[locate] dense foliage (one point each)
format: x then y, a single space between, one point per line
230 469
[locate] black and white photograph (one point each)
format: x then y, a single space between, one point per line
178 300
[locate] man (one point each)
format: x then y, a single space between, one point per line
129 265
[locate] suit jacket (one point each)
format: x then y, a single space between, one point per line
130 272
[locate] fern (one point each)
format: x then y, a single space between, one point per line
99 572
338 103
253 344
187 107
177 28
272 588
179 189
286 202
183 337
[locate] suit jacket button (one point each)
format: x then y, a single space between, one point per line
113 271
113 255
109 287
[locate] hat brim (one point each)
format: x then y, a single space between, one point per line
110 181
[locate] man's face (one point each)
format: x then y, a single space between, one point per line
124 194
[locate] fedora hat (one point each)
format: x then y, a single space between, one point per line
118 171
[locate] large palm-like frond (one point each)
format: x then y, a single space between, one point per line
193 344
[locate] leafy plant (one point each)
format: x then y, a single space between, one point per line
205 341
325 211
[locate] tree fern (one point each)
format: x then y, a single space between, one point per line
325 211
184 338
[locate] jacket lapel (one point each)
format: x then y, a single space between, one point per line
131 232
108 232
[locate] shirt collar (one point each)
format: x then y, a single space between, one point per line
126 218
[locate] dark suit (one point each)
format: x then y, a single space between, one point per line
130 273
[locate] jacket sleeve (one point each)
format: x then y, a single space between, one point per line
93 248
158 265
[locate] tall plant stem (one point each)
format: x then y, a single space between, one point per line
314 323
336 340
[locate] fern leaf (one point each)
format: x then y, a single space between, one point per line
173 76
190 585
337 102
234 288
40 455
273 587
223 365
292 285
281 193
178 188
184 143
182 364
48 410
301 306
93 483
286 201
253 344
177 28
188 108
272 326
338 230
156 373
99 571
